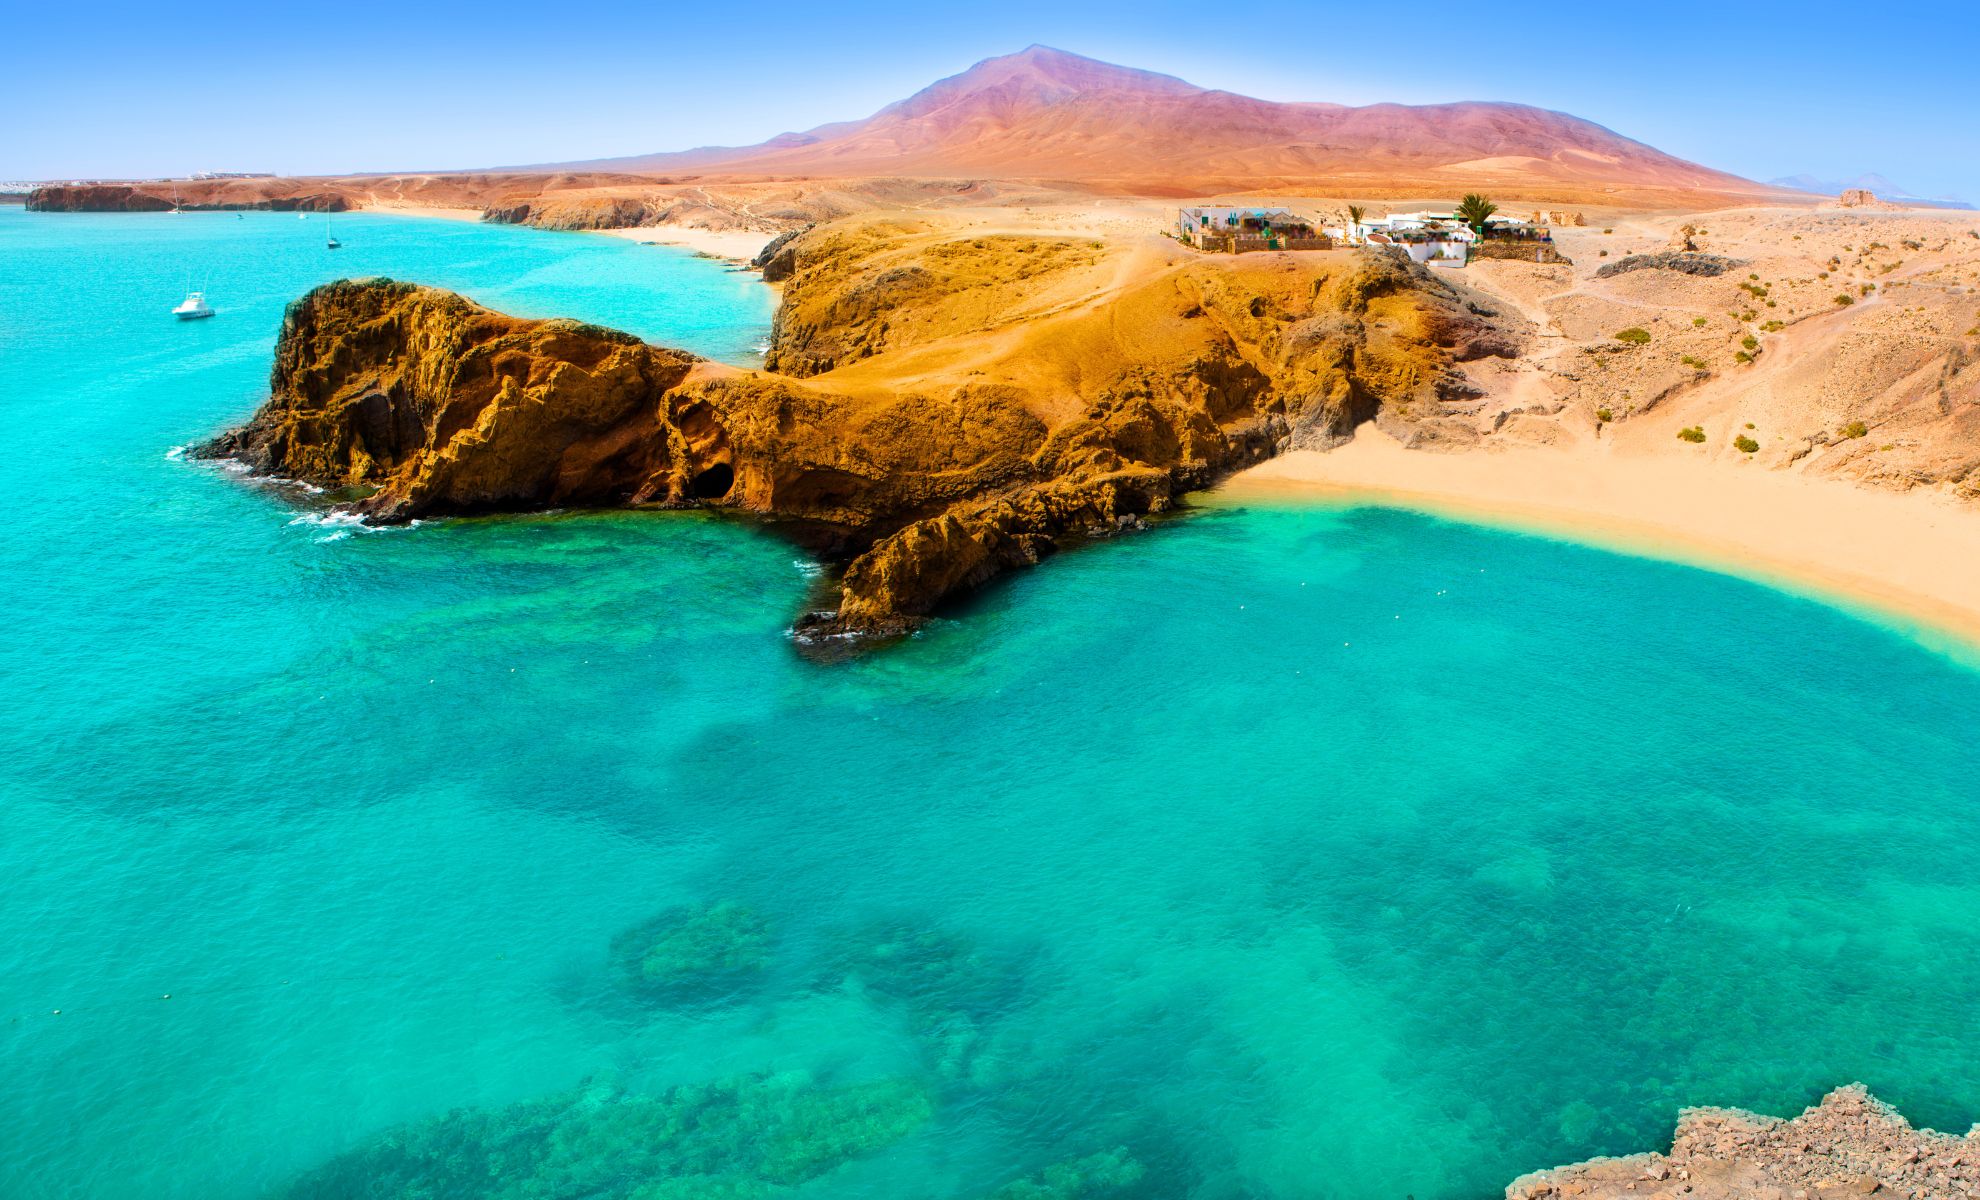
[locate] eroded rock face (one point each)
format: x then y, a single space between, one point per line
1685 261
1861 198
435 405
119 197
1849 1145
1072 419
778 260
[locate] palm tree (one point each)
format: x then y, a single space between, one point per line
1354 214
1473 210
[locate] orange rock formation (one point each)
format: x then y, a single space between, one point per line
949 407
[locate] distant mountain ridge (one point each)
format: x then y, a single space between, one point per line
1048 114
1870 181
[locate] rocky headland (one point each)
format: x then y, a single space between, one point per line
1849 1145
126 197
939 408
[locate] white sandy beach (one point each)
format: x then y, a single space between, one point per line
1912 557
405 209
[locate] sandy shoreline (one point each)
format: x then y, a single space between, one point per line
735 245
401 208
1912 559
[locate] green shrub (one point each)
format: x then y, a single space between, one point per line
1741 356
1772 327
1844 299
1695 435
1604 416
1699 322
1690 361
1745 445
1750 342
1855 429
1635 335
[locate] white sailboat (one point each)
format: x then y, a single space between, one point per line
330 232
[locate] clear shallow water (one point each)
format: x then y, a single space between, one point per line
1296 853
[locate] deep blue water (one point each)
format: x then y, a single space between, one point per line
1316 852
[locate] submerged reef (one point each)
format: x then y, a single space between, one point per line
946 989
740 1138
1107 1173
691 950
941 409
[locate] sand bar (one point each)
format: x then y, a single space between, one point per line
1912 559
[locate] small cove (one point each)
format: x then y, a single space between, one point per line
1280 851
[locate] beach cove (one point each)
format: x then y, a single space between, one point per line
1281 850
1909 558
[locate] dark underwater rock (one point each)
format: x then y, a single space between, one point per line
734 1139
689 950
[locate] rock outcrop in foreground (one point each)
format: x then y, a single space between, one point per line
947 408
1847 1146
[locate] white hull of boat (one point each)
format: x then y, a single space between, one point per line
193 308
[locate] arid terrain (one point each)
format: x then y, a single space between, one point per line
1040 125
1705 330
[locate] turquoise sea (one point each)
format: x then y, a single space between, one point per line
1276 853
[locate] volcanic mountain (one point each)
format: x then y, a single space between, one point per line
1045 114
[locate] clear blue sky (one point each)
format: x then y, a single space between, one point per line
107 89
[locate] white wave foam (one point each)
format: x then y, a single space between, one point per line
329 518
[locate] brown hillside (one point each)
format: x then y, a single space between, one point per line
1047 114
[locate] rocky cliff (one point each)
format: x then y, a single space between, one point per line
1849 1145
947 408
158 197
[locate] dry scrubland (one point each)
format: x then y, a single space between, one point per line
1835 342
